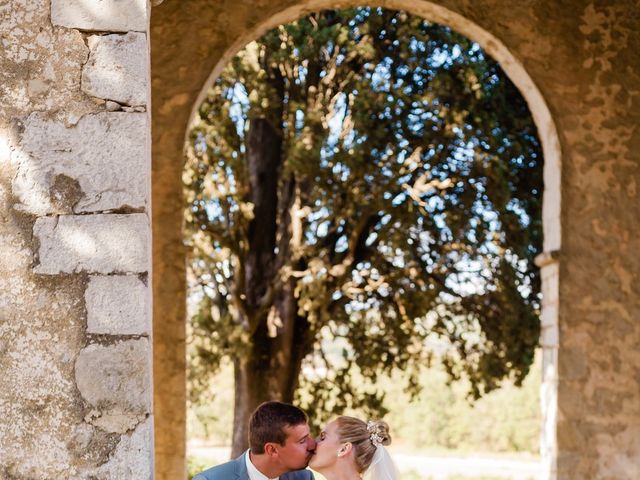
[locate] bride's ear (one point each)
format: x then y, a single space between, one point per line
345 449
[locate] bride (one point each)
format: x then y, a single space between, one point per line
350 449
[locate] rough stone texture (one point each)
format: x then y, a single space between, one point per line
549 341
103 15
117 68
40 334
41 320
599 354
92 243
40 66
117 305
131 457
57 165
582 56
43 434
115 381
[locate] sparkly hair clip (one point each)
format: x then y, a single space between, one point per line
375 438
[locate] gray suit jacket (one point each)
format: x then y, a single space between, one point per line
237 470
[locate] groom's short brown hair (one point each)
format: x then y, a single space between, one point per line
268 421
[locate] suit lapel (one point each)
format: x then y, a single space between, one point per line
241 467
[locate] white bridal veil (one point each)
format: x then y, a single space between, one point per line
382 466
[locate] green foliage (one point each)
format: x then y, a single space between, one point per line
211 416
439 418
195 465
383 175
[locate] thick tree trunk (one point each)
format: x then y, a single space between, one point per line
264 155
252 370
271 369
248 395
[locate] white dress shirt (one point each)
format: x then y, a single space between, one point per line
254 473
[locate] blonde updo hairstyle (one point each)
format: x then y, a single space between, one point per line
353 430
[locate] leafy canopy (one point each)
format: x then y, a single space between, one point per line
408 204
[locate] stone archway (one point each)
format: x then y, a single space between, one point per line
179 101
75 212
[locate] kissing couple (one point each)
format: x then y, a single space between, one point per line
281 447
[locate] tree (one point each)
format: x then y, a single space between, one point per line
366 181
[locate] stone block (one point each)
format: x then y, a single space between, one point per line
133 457
549 364
93 243
549 275
551 270
104 15
117 68
100 164
117 305
549 315
549 411
549 337
116 381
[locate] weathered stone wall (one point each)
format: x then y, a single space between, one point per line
598 110
75 352
75 394
583 58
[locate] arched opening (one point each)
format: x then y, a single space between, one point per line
169 375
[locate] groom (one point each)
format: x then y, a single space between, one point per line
280 446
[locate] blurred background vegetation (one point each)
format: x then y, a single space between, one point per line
362 214
440 420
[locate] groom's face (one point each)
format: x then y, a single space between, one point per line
298 447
